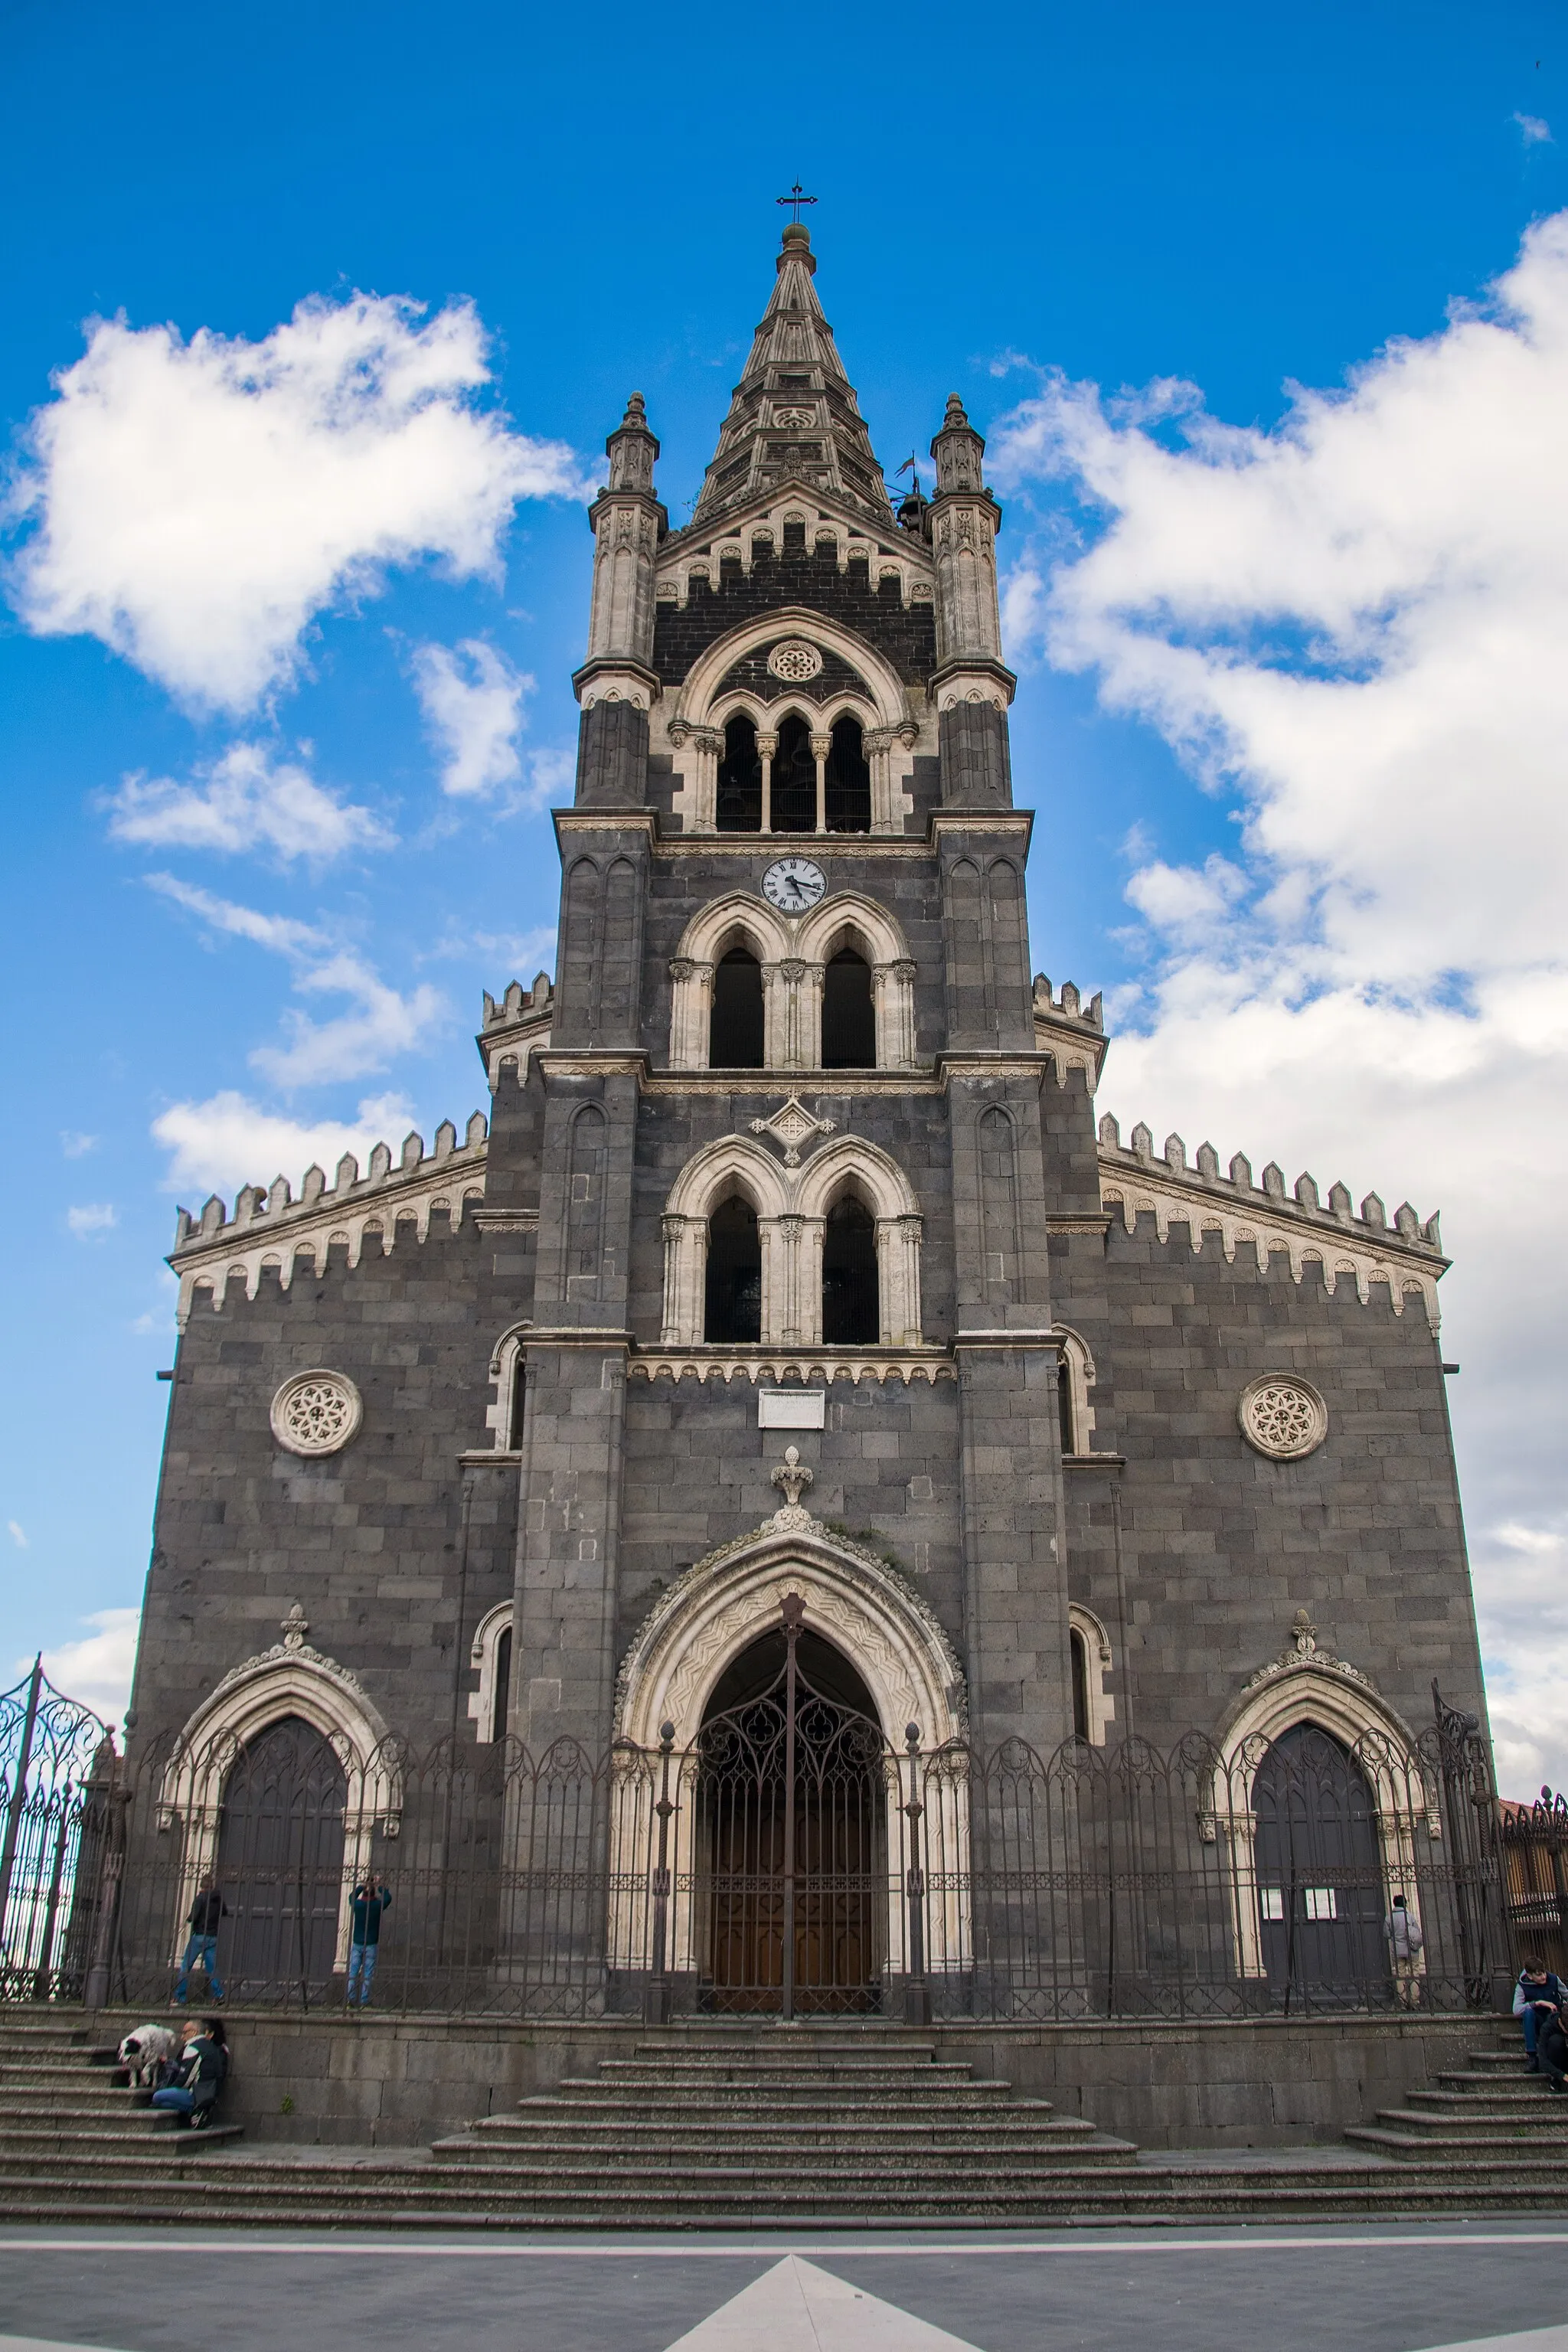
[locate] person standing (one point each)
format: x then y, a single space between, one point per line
1405 1941
369 1900
201 1952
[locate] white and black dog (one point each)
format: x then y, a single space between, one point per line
146 2051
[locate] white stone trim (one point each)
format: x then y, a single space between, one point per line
706 1619
1298 1395
722 1603
506 1369
484 1656
340 1390
1079 1365
1134 1194
289 1679
269 1230
1309 1686
693 729
791 1206
793 952
1101 1708
705 1363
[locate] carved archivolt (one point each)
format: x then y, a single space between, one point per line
289 1679
791 1206
695 726
793 954
1308 1684
726 1601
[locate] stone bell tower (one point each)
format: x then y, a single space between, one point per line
802 1133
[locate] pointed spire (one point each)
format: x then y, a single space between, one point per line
794 417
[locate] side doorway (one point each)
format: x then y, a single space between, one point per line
1319 1862
280 1865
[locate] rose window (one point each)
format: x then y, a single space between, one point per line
315 1413
1283 1418
794 661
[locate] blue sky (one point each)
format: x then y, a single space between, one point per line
1287 704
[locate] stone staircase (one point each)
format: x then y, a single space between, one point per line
1489 2113
750 2124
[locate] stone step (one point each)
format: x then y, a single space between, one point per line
1461 2150
781 2156
813 2090
22 2149
1550 2120
750 2112
1389 2191
858 2073
556 2120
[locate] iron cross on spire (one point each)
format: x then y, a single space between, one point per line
794 199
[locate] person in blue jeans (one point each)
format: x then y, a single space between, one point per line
366 1904
200 2069
1537 1993
206 1913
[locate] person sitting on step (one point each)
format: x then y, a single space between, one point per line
200 2075
1538 1988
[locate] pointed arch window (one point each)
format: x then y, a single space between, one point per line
851 1309
849 779
793 796
732 1306
739 807
735 1033
849 1013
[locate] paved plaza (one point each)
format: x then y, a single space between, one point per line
1386 2289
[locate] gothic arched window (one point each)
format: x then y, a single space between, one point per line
793 796
848 781
733 1307
735 1028
740 800
849 1013
851 1311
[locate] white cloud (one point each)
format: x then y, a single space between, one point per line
96 1669
1533 131
17 1534
382 1022
245 800
1352 627
281 933
229 1140
552 777
74 1146
92 1218
472 699
197 504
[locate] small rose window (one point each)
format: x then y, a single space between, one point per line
794 661
1283 1416
315 1413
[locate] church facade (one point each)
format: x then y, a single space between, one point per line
791 1258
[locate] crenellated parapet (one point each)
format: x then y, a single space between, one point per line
515 1025
1071 1032
1343 1242
270 1230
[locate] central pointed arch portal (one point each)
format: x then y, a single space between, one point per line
785 1674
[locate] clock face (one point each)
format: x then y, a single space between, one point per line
793 883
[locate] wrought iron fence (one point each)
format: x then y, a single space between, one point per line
791 1859
57 1774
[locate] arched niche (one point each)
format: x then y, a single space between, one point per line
793 955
